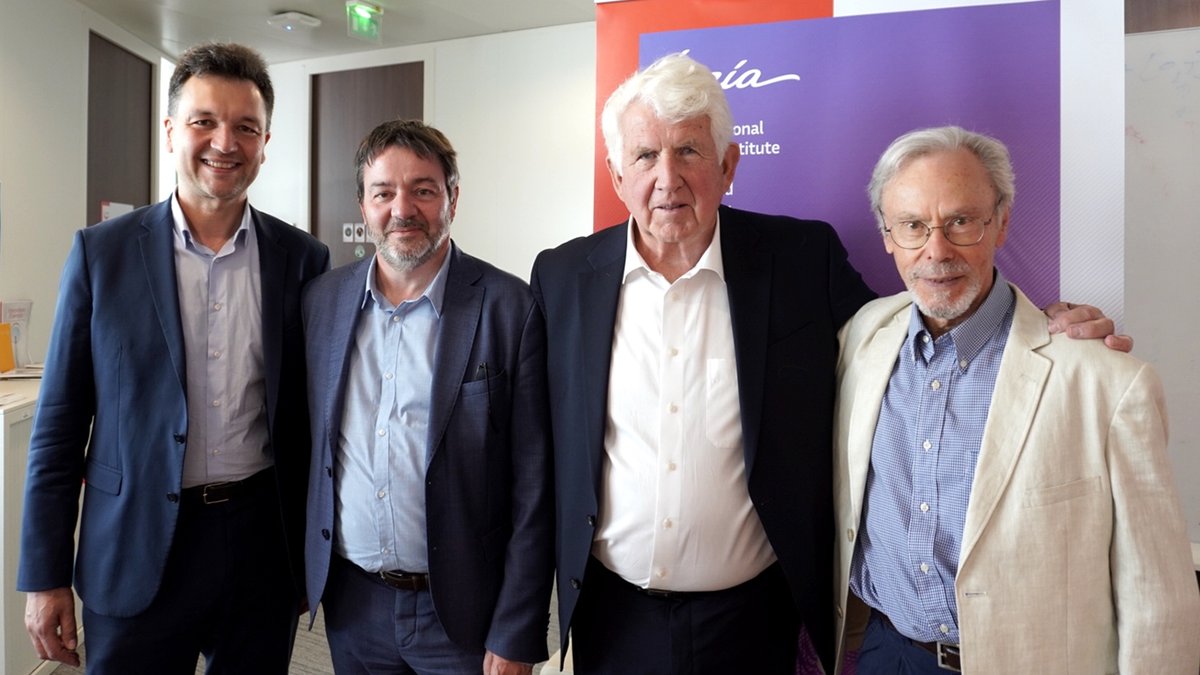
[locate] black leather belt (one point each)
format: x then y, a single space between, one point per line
219 493
947 655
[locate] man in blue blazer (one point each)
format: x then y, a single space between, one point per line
174 387
430 508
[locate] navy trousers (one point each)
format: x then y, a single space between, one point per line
226 593
620 630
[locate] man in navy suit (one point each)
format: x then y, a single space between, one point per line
430 508
692 354
174 386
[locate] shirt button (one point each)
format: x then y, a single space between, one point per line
667 524
850 534
927 445
674 352
216 403
387 376
216 306
674 408
935 385
925 339
925 568
945 629
381 494
660 573
962 364
216 452
924 507
671 466
216 354
395 319
383 550
381 432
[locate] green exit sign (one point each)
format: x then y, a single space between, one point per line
363 21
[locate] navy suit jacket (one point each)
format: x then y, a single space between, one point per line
790 288
115 384
488 501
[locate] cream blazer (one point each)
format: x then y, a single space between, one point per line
1075 557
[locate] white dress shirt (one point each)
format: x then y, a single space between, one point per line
675 511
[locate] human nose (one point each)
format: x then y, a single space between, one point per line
403 205
937 246
668 177
223 139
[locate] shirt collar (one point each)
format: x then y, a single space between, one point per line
435 292
710 260
185 233
970 336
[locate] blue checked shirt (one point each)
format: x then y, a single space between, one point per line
922 464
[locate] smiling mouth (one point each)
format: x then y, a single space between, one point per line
219 165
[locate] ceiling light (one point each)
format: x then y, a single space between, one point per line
293 21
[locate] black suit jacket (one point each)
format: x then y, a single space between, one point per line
790 288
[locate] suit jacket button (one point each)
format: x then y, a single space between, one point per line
180 439
325 535
591 520
575 584
172 497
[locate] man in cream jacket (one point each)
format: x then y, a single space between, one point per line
1005 500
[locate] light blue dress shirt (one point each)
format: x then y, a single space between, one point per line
923 460
383 451
220 310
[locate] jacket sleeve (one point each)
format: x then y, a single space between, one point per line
66 405
1154 589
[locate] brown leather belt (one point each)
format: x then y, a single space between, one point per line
404 581
947 655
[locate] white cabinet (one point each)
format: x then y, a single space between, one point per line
16 423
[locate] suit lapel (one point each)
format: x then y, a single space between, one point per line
748 285
874 364
1019 385
599 292
462 306
339 332
272 263
157 243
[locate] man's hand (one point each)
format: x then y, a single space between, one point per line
498 665
1085 322
50 621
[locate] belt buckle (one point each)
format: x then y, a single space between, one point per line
948 657
215 499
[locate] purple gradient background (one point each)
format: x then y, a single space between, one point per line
867 79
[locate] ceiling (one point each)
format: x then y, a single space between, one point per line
174 25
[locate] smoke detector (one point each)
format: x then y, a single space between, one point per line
291 22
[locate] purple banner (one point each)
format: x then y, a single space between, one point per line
815 102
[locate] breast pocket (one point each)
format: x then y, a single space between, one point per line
722 413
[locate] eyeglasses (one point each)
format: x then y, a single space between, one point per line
959 230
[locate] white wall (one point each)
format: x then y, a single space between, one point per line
43 145
519 108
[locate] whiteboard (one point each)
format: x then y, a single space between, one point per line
1162 233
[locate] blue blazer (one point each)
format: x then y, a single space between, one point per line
489 511
113 410
790 288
